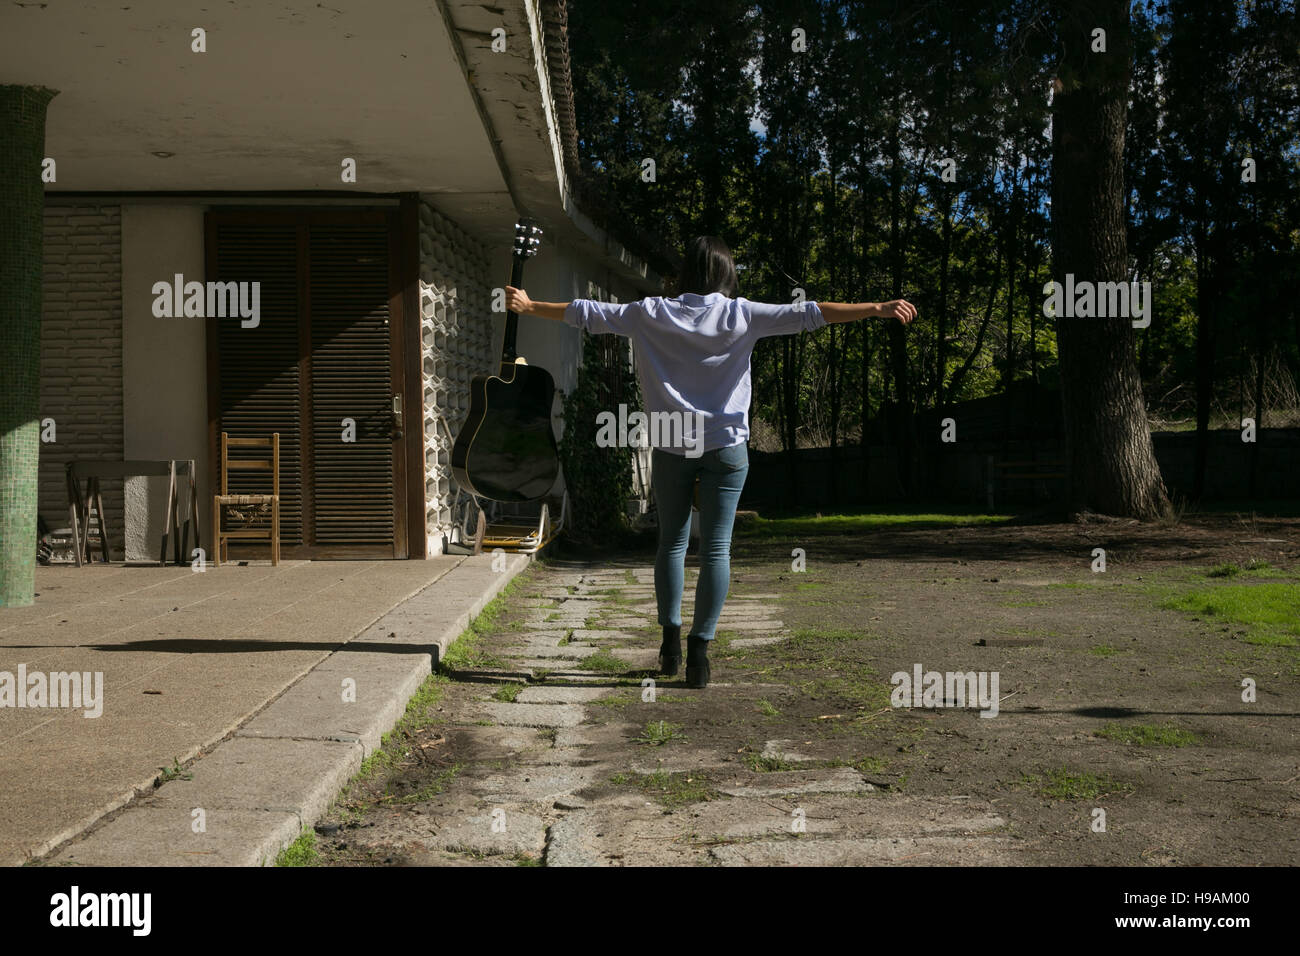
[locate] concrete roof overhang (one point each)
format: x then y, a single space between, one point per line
410 89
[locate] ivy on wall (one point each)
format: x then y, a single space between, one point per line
599 479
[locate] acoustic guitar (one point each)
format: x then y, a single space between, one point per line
506 450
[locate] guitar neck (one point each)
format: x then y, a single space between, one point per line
508 354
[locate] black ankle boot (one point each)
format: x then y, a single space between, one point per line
670 652
697 661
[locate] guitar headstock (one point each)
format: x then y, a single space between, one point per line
528 238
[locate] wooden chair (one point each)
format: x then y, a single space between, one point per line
225 498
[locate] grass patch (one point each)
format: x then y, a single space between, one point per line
864 765
1064 785
796 525
659 732
766 709
467 651
418 716
806 638
1147 735
760 764
603 662
1270 611
1104 650
301 852
174 772
671 789
823 664
1254 567
428 791
508 693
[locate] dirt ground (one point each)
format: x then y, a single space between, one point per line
1121 735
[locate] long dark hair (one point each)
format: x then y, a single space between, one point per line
708 267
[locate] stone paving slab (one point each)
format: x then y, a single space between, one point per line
636 656
590 634
570 845
556 668
316 707
785 750
554 635
843 780
682 760
537 784
570 652
756 641
160 836
297 776
550 694
494 743
943 851
527 715
508 832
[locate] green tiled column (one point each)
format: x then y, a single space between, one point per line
22 206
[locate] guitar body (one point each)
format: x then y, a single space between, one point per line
507 449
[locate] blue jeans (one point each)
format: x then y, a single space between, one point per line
722 476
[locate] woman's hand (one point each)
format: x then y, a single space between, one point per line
517 301
899 309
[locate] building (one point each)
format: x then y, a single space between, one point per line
365 165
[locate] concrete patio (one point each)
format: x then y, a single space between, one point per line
250 655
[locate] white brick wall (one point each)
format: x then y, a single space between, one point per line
81 353
456 338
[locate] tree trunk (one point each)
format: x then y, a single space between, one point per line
22 208
1109 458
902 422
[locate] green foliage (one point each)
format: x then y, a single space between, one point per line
1147 735
1064 784
817 186
599 479
301 852
1270 611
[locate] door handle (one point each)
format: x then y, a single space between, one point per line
397 417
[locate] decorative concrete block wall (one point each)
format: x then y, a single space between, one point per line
81 353
457 344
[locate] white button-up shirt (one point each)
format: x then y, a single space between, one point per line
692 354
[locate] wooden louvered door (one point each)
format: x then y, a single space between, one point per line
323 367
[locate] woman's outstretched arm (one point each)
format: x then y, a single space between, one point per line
899 309
517 300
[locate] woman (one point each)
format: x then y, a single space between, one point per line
692 360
